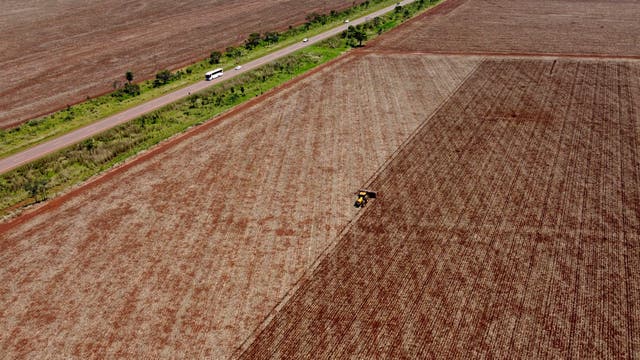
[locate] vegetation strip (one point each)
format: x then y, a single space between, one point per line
128 94
57 172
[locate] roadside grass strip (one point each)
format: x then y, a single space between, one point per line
59 171
44 128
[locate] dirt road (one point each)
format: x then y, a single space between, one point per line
78 135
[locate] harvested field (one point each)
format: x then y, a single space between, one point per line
58 53
585 27
182 253
509 227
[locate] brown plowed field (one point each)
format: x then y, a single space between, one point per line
183 254
584 27
509 227
59 52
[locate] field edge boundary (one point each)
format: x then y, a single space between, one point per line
496 54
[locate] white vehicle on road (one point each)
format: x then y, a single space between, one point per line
305 40
215 73
238 67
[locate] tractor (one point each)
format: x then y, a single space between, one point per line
363 196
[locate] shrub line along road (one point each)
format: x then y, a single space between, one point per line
73 137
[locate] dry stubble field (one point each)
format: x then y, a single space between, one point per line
59 52
588 27
184 253
509 228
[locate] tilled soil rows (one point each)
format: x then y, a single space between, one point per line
583 27
59 52
508 226
184 253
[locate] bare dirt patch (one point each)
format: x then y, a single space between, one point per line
520 26
509 228
185 253
58 53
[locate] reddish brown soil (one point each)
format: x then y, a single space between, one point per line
183 253
509 228
508 225
521 26
58 53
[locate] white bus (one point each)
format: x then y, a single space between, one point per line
213 74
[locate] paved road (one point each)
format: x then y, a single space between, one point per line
88 131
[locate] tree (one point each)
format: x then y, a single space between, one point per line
214 57
37 189
233 52
131 89
360 36
129 76
271 37
162 77
348 33
253 41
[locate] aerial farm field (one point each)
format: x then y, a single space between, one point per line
58 53
595 28
184 251
508 226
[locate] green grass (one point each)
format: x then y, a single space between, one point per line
70 166
47 127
